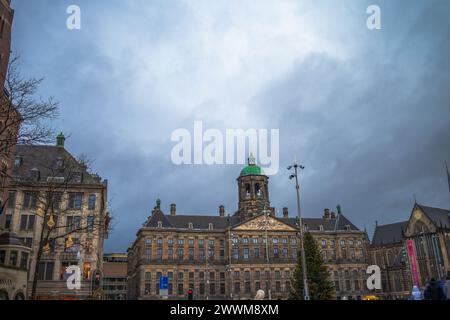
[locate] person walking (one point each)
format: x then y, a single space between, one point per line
434 291
447 286
416 294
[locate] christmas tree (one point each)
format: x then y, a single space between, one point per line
319 283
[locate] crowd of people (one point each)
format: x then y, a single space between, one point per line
434 290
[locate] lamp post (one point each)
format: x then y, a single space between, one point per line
266 222
296 167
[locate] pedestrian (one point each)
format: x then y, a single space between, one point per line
416 294
434 291
447 286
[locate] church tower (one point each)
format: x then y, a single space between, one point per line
253 189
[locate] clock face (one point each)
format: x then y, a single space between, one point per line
417 215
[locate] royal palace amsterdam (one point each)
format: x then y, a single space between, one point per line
232 257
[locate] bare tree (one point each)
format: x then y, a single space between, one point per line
63 177
23 115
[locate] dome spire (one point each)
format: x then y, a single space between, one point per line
251 160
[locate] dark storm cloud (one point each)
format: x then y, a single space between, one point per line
365 111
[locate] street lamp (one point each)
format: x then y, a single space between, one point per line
296 167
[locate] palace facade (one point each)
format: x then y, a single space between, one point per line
232 257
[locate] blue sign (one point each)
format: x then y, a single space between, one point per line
163 283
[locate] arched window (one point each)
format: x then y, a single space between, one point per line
3 295
247 190
19 296
258 191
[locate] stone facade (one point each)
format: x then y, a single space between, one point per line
231 257
80 217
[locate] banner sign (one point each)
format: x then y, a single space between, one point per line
412 258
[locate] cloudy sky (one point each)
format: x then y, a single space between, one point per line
366 112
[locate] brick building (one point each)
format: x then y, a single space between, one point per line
231 257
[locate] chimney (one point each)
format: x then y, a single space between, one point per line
285 212
173 209
326 213
222 211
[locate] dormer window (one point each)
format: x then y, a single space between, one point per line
347 227
160 224
77 176
191 226
321 228
60 162
18 160
35 174
210 226
305 227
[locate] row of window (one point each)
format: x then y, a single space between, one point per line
211 276
31 199
13 260
343 243
331 254
237 288
27 222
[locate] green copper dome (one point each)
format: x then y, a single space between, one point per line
252 168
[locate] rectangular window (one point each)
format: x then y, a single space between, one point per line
148 254
212 288
180 289
159 253
236 253
222 288
277 286
91 204
75 200
147 289
247 287
180 253
201 289
27 222
24 260
73 223
30 200
275 253
256 253
237 287
45 271
90 224
13 258
11 200
324 255
246 254
8 222
191 254
201 243
2 256
170 253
